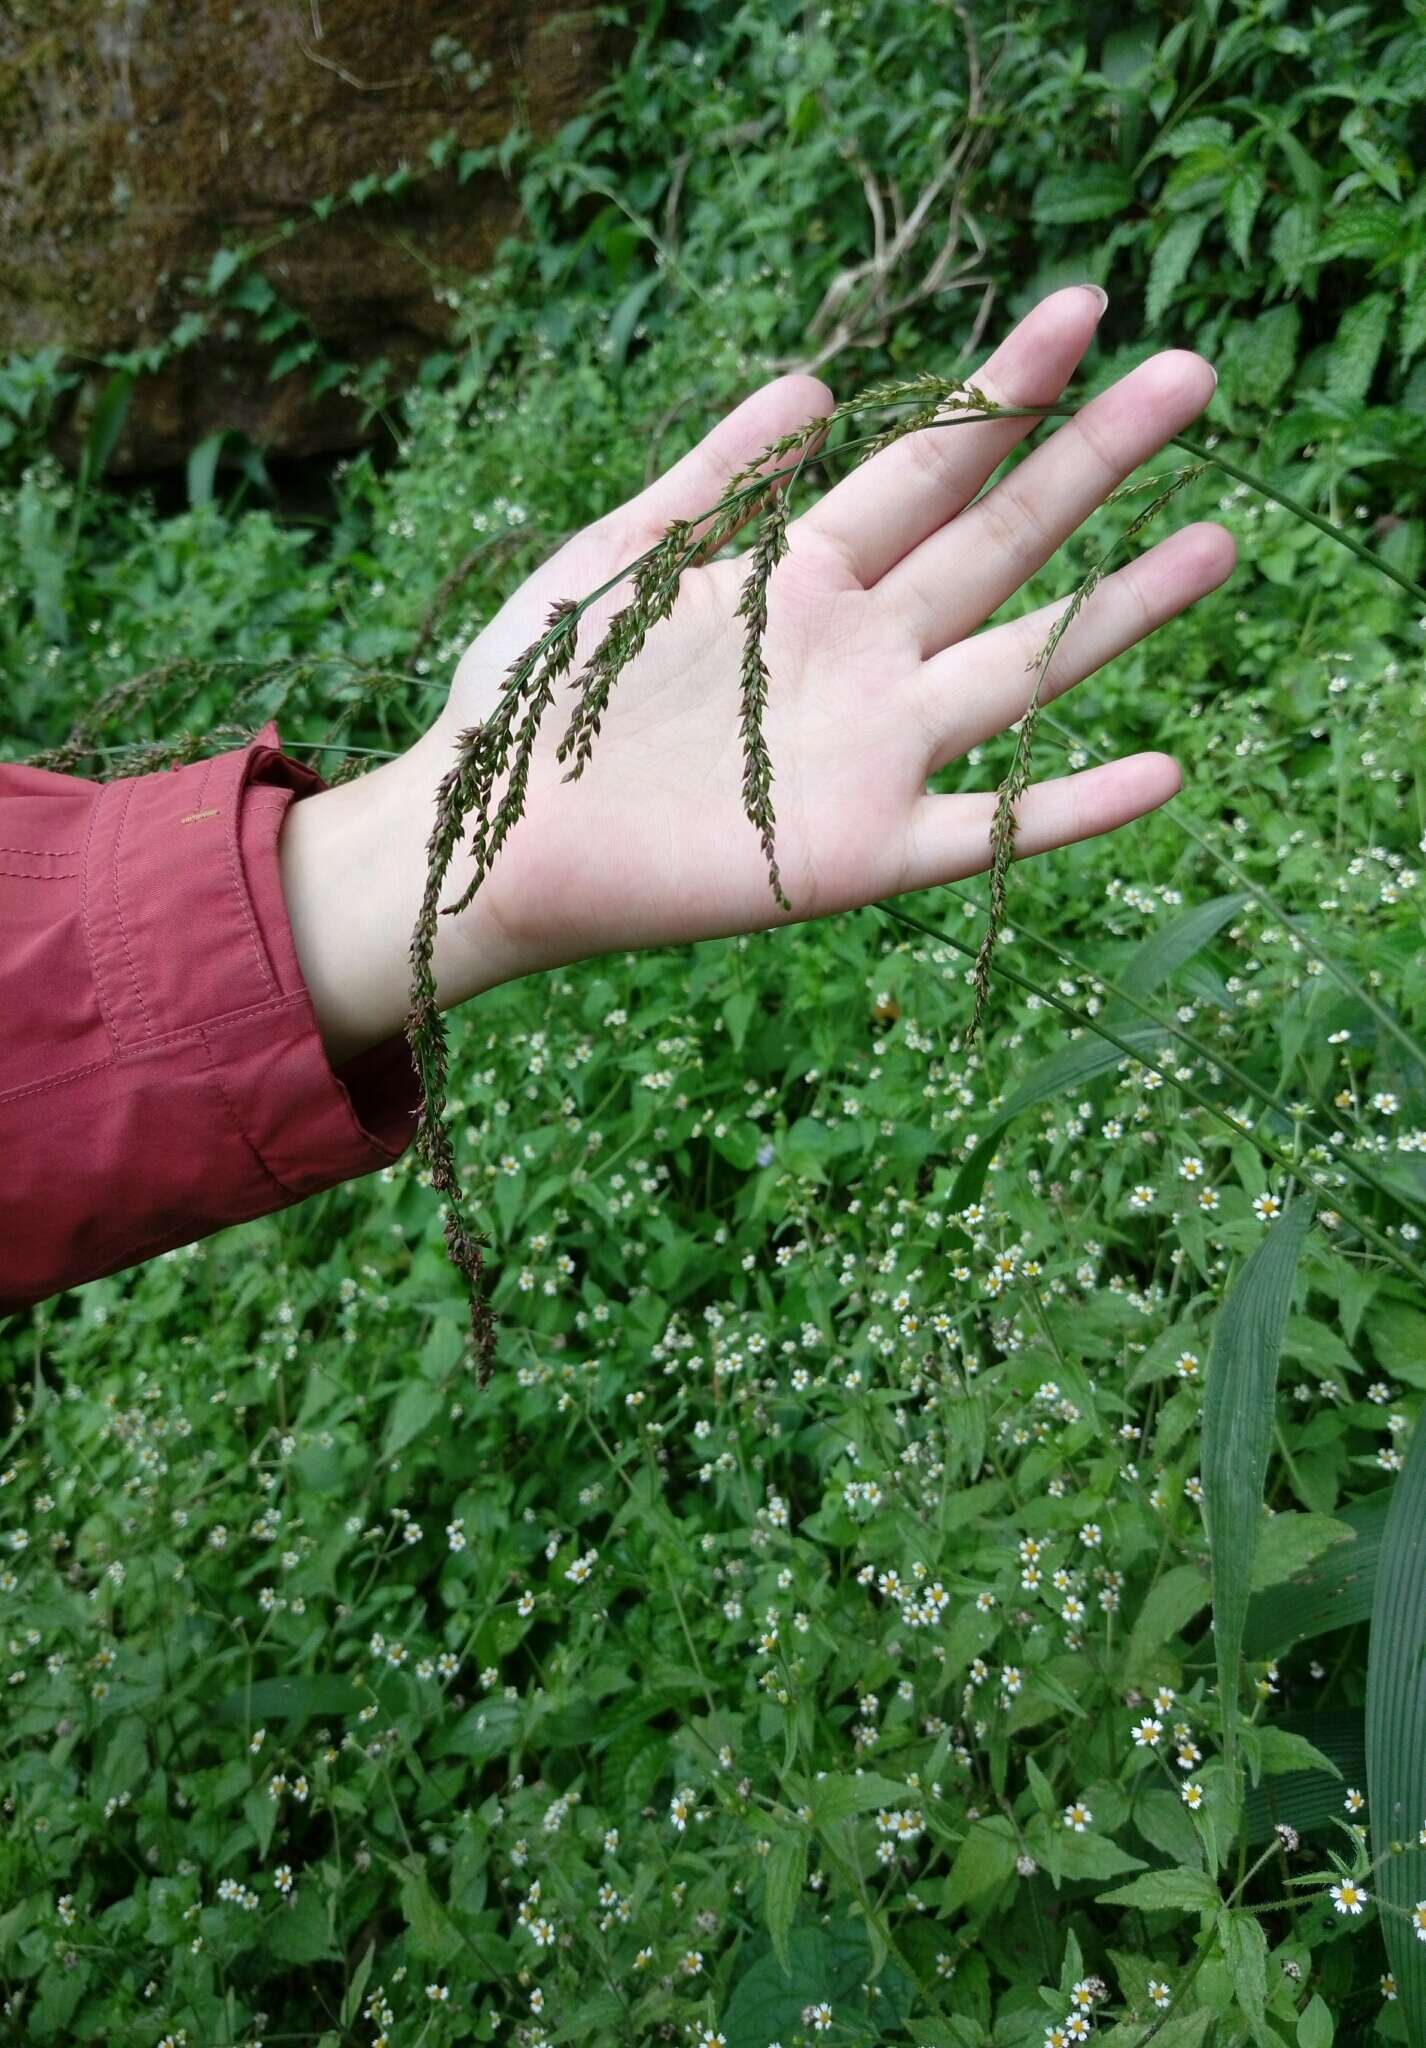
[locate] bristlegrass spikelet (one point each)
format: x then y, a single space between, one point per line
657 576
531 677
768 551
426 1037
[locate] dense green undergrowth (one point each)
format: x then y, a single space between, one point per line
809 1633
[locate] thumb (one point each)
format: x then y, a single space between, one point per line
695 483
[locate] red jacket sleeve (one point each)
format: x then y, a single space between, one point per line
161 1071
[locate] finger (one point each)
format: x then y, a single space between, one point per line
950 835
958 577
890 504
982 685
696 483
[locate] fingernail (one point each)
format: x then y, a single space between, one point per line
1215 375
1099 293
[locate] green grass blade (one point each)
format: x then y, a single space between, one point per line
1238 1412
1159 958
1396 1730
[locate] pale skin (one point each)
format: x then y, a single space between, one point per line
882 671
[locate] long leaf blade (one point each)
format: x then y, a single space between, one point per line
1396 1730
1237 1437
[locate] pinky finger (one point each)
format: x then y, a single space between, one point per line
950 836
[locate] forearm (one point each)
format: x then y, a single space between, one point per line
353 862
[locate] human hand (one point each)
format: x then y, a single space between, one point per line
879 676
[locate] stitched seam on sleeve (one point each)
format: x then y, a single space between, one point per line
119 909
41 874
236 1122
240 886
99 988
45 852
162 1040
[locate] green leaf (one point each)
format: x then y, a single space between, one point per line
287 1699
983 1862
1158 1891
1287 1544
1238 1412
105 427
1309 1801
1094 192
1090 1856
125 1759
1169 265
1282 1749
222 267
832 1963
1170 1602
1316 2027
1396 1729
834 1799
432 1933
1265 355
1207 131
625 317
300 1933
351 2002
786 1875
414 1410
1332 1592
1245 1951
1240 208
1352 357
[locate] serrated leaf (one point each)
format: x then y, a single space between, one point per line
1280 1749
431 1931
832 1963
1288 1543
1093 192
1169 1603
786 1875
1206 131
834 1799
414 1410
1245 1952
1413 319
1240 208
1238 1411
1355 348
1170 263
1293 243
1396 1729
1333 1592
1159 1891
300 1933
1266 355
984 1860
1309 1801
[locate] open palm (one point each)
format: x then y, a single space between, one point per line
879 672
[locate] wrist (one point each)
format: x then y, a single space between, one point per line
353 867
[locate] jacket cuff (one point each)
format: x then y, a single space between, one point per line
234 975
